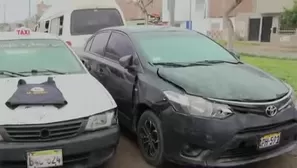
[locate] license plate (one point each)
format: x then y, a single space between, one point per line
47 158
269 140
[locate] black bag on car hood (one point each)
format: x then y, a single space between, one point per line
45 93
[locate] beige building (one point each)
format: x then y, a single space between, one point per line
263 21
133 12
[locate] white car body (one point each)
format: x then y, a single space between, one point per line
84 94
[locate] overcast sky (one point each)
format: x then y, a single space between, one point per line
17 10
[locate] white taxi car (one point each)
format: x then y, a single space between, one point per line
53 113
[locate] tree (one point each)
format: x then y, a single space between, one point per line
142 5
228 22
289 17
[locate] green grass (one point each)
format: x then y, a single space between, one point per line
239 43
283 69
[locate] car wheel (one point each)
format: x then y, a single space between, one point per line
150 138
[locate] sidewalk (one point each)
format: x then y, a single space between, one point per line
268 51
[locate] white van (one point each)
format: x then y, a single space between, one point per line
77 20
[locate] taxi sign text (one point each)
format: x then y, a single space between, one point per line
23 32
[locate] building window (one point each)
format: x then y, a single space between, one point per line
200 5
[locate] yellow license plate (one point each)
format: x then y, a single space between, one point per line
269 140
46 158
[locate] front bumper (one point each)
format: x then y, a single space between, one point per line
225 143
89 150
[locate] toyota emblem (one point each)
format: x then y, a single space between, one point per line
271 111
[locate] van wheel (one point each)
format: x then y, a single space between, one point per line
150 138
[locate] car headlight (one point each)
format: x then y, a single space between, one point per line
198 106
101 120
293 96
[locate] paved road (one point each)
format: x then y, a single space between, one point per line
128 156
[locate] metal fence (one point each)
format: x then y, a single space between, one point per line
216 34
287 31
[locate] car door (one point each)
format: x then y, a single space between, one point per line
95 61
120 82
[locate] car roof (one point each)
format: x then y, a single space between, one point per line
147 28
33 36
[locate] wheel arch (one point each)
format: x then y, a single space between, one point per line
140 109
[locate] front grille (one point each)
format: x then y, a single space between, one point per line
259 109
242 152
268 127
44 132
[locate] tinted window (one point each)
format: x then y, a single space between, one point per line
118 46
180 47
99 43
25 55
88 21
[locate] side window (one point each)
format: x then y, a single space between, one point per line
119 45
47 26
54 27
88 45
99 43
61 26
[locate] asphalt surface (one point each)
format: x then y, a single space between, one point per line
128 156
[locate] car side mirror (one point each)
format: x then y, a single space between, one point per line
128 62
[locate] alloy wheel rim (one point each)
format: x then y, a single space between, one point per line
149 138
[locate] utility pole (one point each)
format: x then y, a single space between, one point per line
29 15
171 5
29 8
190 11
4 12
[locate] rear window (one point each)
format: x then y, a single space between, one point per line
88 21
25 55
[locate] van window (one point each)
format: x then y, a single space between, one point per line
61 25
88 21
46 26
54 26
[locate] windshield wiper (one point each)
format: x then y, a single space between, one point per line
11 73
210 62
198 63
35 71
173 64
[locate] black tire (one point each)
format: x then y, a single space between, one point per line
150 121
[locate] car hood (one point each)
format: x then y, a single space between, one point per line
226 81
84 94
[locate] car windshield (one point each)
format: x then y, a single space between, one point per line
27 55
180 47
88 21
